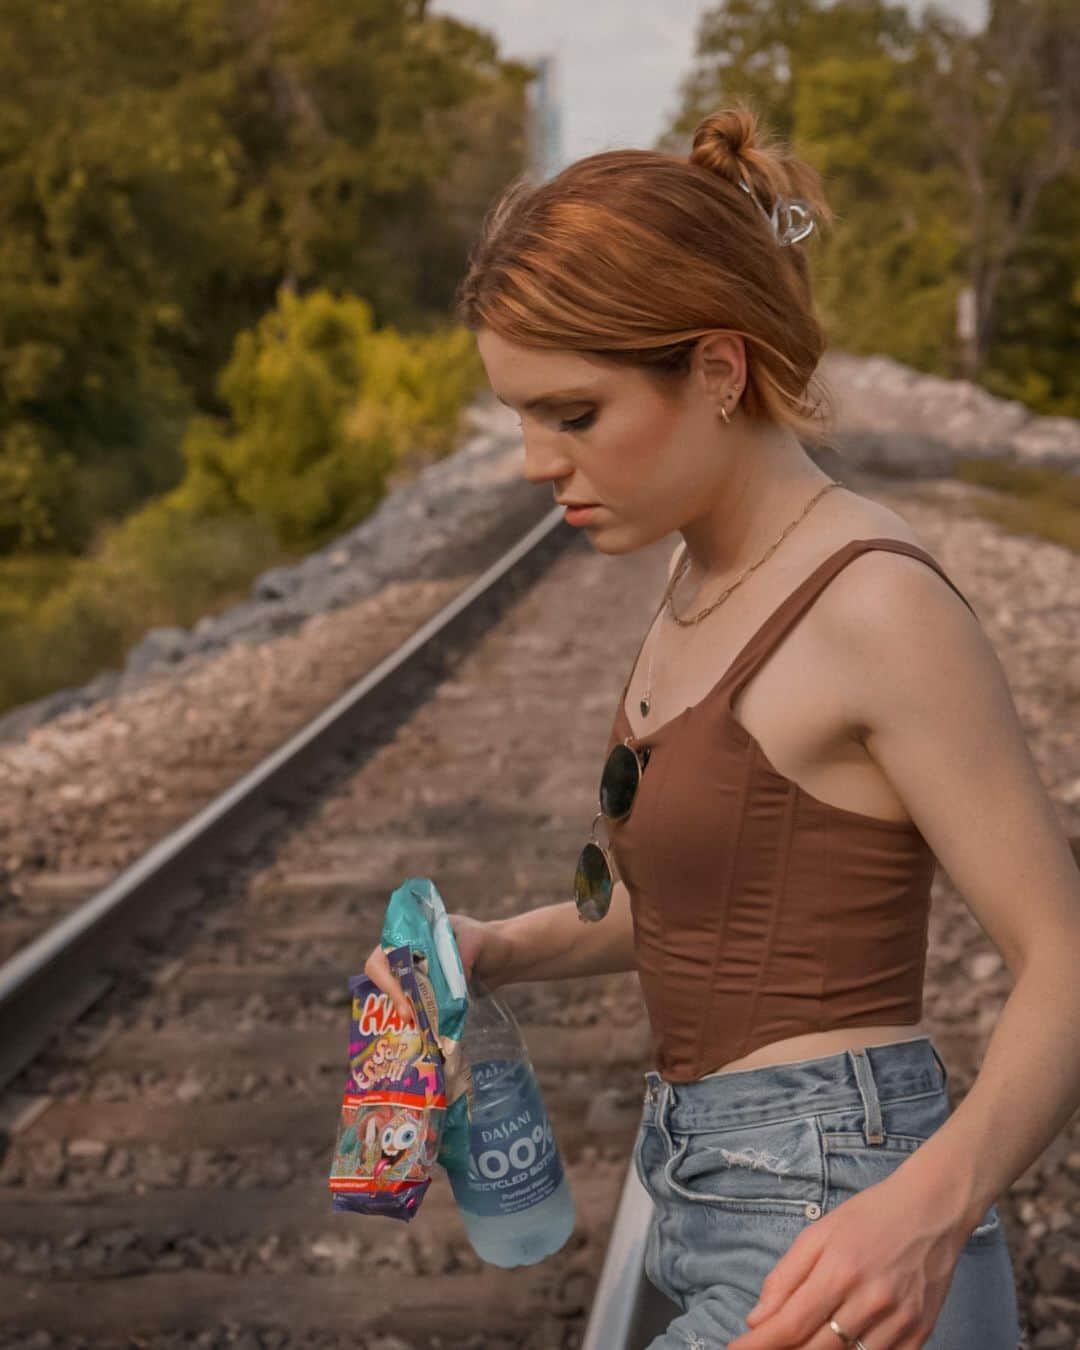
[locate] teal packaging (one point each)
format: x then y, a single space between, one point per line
417 917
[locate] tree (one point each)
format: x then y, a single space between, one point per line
1006 104
947 157
322 407
166 165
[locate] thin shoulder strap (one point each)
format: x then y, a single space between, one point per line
807 591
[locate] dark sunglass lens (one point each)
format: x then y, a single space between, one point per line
592 883
618 782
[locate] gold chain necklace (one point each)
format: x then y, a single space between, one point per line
680 572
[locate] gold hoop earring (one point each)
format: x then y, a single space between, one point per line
724 414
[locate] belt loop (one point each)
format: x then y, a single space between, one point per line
873 1132
941 1064
663 1105
664 1101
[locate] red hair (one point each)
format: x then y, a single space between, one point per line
631 256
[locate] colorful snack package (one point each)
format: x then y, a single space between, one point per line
394 1101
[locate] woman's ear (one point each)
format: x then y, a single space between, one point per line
719 362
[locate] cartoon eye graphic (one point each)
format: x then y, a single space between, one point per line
398 1138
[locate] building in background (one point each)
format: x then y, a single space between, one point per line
545 120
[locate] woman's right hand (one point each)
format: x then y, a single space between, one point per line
482 947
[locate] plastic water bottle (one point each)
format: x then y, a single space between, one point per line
514 1198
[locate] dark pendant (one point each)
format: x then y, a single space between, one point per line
644 706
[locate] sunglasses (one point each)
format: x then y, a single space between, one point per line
596 871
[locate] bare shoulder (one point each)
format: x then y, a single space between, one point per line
870 580
895 621
890 603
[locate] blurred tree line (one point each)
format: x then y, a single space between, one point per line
952 161
230 235
167 167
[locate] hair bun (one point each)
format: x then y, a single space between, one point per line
722 139
732 143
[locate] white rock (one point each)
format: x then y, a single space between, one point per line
983 965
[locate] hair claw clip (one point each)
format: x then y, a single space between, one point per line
794 229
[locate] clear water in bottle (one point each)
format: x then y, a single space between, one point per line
514 1199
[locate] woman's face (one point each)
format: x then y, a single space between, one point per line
652 456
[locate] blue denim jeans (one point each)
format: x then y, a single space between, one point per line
739 1163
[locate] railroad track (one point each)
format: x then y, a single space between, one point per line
172 1050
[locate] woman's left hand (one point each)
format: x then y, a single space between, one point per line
880 1263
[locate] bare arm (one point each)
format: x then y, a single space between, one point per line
926 694
938 715
552 943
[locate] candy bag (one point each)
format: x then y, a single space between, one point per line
408 1101
394 1102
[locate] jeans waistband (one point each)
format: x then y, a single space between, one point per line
865 1077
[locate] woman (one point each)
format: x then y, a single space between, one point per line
773 839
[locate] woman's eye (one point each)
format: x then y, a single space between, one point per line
580 423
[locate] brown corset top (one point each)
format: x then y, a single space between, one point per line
761 912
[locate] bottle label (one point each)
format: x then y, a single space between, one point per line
513 1161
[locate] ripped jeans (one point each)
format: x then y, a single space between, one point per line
738 1163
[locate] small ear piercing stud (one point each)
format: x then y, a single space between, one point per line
723 410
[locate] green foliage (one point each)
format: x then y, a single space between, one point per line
25 580
36 489
1040 500
166 165
1038 324
157 567
322 409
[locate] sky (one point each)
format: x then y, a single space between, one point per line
617 62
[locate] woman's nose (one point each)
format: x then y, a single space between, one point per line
544 464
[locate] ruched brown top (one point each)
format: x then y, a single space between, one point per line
759 911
